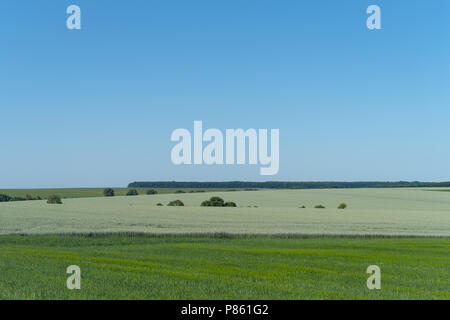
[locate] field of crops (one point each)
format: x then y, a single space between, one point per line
202 268
402 212
269 247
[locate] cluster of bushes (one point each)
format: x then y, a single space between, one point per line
341 206
6 198
176 203
217 202
108 192
212 202
54 199
132 192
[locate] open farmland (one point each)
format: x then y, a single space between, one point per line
266 248
202 268
390 212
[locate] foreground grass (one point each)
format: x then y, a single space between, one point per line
204 268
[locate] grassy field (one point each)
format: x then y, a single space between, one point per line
202 268
403 212
267 248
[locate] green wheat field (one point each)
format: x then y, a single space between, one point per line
269 247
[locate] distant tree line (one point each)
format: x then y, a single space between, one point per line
52 199
6 198
287 185
109 192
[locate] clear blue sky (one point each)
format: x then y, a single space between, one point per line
96 107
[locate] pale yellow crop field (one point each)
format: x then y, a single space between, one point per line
413 212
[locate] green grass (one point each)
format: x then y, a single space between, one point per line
203 268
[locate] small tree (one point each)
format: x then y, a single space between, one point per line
216 202
206 203
108 192
176 203
54 199
151 191
319 206
342 206
159 204
132 192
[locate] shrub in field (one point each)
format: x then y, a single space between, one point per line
342 206
206 203
54 200
151 191
4 198
230 204
217 202
180 191
213 202
302 207
159 204
108 192
319 206
132 192
176 203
